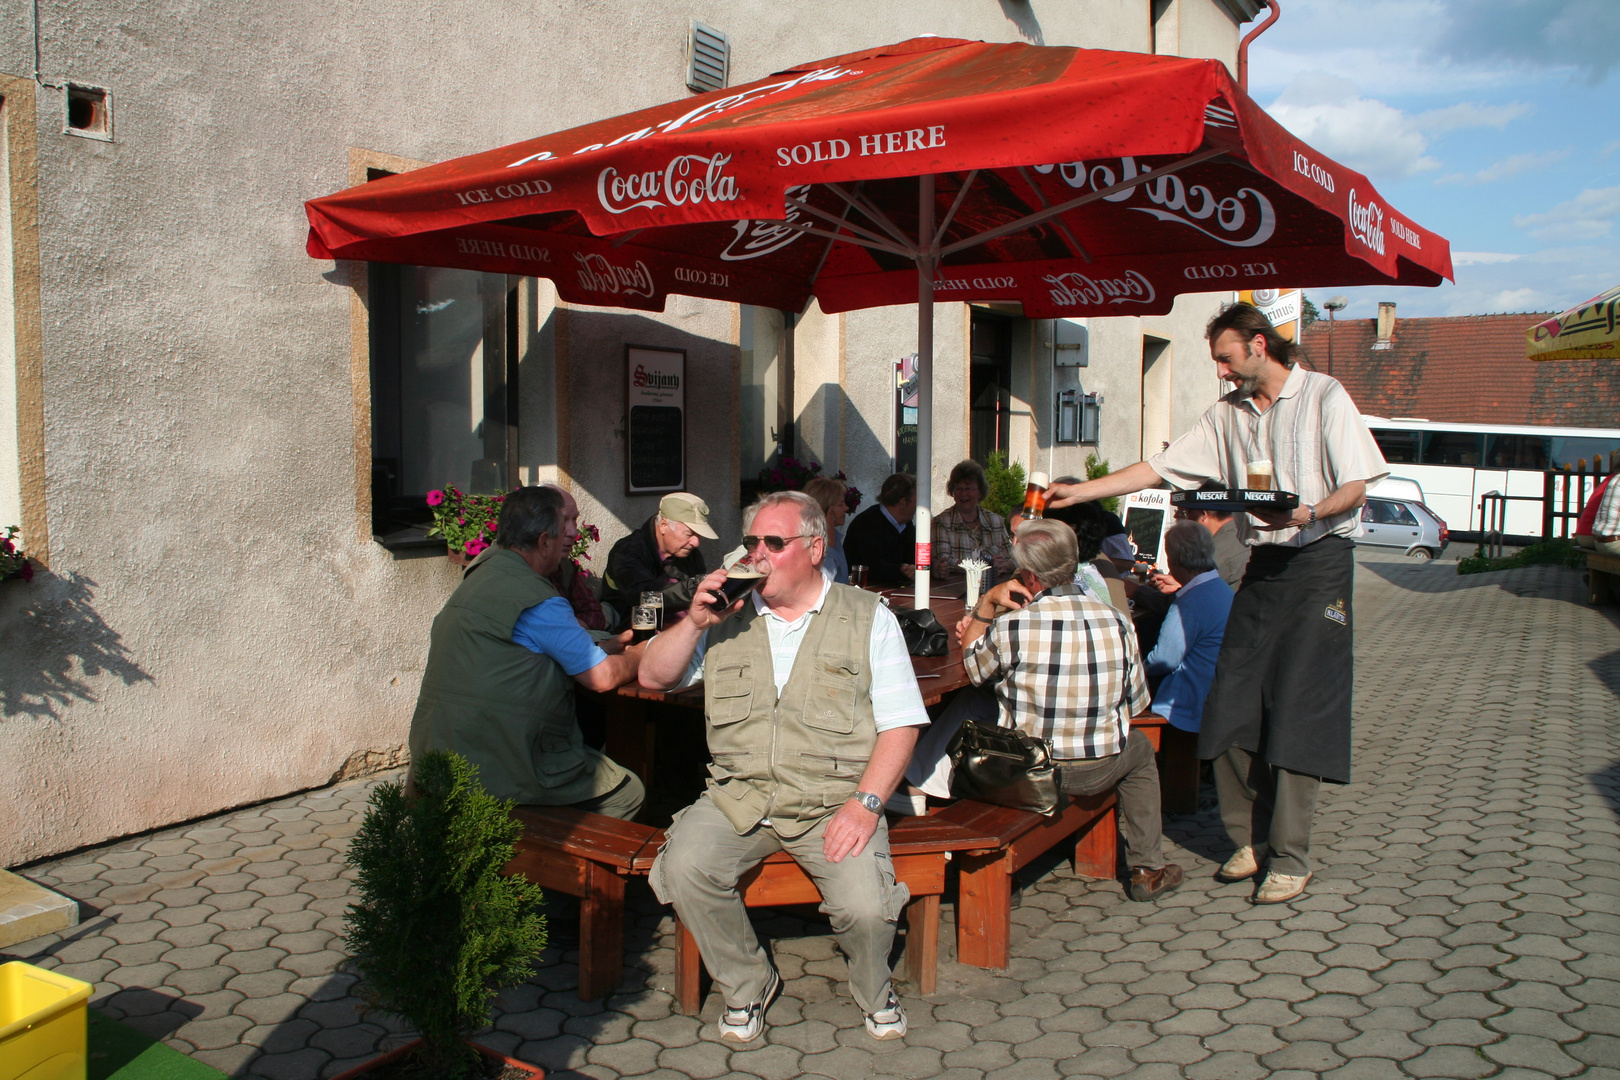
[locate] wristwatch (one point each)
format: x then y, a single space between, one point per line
1312 509
870 801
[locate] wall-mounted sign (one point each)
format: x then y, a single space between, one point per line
655 407
1282 306
1147 518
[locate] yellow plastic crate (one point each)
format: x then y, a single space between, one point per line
42 1024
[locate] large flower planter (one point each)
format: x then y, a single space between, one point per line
535 1072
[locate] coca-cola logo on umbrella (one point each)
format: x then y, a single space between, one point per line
756 238
1367 222
1227 217
678 184
1078 290
598 275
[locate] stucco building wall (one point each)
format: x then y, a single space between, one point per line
216 627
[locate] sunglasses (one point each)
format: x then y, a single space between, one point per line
774 543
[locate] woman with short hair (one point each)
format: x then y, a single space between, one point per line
968 530
830 495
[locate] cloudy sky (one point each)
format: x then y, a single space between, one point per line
1492 122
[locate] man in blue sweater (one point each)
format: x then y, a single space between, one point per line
1190 639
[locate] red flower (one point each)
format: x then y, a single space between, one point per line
435 498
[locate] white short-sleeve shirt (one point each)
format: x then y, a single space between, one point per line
1313 435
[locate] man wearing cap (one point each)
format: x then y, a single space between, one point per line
662 555
504 659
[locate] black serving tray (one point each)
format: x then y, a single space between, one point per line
1234 500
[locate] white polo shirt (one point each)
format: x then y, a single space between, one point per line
1313 435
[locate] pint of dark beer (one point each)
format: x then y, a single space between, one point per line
643 623
740 581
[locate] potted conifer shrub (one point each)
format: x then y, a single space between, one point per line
437 930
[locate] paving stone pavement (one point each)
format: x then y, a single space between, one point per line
1464 923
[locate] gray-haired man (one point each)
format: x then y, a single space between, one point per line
505 655
1066 669
812 709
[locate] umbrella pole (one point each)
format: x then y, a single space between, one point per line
925 385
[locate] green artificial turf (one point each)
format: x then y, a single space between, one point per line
118 1052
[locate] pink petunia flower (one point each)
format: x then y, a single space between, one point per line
435 498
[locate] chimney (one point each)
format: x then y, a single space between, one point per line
1386 325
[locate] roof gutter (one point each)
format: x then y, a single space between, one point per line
1243 46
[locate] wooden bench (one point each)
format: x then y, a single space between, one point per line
919 847
590 856
984 892
1603 577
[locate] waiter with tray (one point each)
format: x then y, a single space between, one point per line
1297 458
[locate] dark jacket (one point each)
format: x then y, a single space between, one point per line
871 541
635 566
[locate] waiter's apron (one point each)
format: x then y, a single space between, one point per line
1283 680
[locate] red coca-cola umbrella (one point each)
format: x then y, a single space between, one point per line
1075 182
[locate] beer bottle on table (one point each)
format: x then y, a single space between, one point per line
1035 496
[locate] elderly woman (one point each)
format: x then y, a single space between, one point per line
967 528
1190 639
829 494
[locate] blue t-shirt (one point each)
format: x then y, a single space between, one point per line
550 629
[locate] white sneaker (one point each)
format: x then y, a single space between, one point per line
888 1022
748 1023
1244 863
1280 888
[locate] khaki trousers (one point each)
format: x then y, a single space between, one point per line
1264 804
1135 774
697 872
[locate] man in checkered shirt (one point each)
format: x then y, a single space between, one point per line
1066 668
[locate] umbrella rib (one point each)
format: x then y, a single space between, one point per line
865 206
1058 223
852 227
939 235
1073 204
811 230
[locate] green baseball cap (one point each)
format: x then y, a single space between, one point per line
690 511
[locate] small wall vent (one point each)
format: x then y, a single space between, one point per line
708 64
88 112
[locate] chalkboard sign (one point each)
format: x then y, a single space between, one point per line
655 406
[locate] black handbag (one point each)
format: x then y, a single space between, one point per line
1004 767
924 635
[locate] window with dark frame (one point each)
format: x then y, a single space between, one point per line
989 384
443 391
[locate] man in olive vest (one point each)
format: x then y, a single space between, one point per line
813 710
503 660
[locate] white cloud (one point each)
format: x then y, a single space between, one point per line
1588 216
1512 165
1469 115
1374 137
1481 258
1578 34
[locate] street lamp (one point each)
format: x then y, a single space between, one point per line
1333 304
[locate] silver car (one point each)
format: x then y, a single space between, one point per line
1406 524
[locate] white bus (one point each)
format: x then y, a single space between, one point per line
1456 464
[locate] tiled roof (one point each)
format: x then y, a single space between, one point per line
1469 369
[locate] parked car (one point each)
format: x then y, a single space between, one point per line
1406 524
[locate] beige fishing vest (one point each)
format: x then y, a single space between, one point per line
798 758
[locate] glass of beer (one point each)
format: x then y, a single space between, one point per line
857 576
654 600
1259 476
643 623
1035 496
740 581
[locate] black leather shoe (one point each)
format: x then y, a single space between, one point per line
1151 884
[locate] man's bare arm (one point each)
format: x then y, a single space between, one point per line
670 653
853 825
1347 496
614 671
1136 477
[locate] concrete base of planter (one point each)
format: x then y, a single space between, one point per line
30 911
